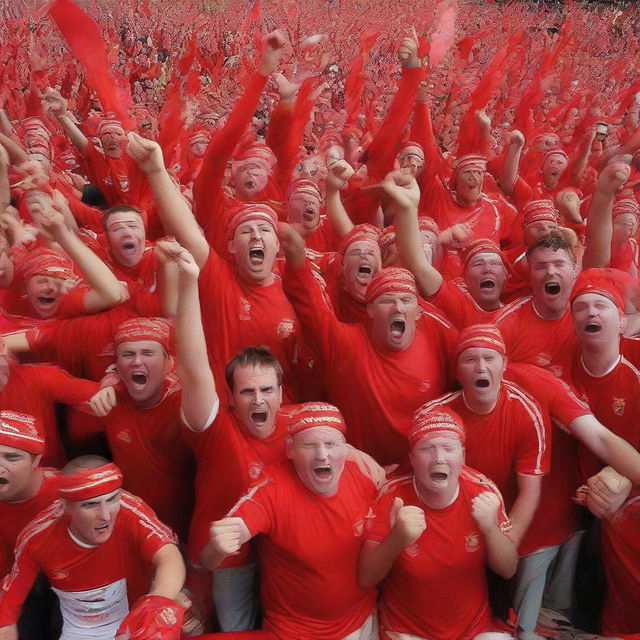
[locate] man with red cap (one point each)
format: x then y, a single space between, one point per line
380 371
26 488
433 533
309 515
97 546
625 252
242 303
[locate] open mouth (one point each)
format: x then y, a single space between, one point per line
322 472
256 256
439 476
482 383
309 215
250 184
552 288
259 417
139 379
128 246
45 301
397 328
487 284
592 328
3 482
364 270
102 528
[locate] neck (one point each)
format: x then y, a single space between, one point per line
437 499
152 401
261 282
465 201
547 313
482 406
599 359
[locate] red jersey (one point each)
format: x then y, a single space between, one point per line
90 581
227 450
620 546
35 389
157 464
455 301
235 314
437 587
16 302
530 338
309 551
15 516
510 440
376 389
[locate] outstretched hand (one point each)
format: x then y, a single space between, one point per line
146 153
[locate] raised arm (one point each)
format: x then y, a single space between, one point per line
600 226
339 173
199 398
227 536
56 105
510 169
5 190
174 210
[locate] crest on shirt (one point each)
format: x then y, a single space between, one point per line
619 405
60 574
255 469
244 312
124 184
412 550
472 542
108 180
124 435
543 360
360 526
284 328
425 386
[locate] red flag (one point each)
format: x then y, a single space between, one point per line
85 41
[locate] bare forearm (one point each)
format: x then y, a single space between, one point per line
510 169
376 560
170 572
599 231
502 555
337 214
167 275
522 513
10 632
17 154
78 138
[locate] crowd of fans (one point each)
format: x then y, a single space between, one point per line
318 320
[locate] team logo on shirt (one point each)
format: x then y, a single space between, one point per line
472 542
255 469
124 184
245 309
60 574
424 386
412 550
284 328
125 436
359 527
619 405
543 360
108 180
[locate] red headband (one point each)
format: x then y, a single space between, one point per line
137 329
387 238
404 150
425 223
555 151
539 211
359 233
609 283
486 336
305 188
251 211
90 483
391 279
317 414
626 205
103 124
474 160
258 153
47 263
481 245
436 423
18 430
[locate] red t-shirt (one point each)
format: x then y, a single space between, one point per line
157 464
109 175
35 389
510 440
14 516
309 551
455 301
376 389
15 302
72 568
437 587
530 338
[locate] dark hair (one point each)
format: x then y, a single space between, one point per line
256 356
90 461
554 241
121 208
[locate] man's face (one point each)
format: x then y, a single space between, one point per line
16 467
437 462
479 372
92 521
313 169
126 235
113 140
255 246
360 263
552 274
484 275
552 169
249 179
142 366
596 320
469 184
319 455
412 158
303 213
45 294
256 398
625 226
535 231
393 319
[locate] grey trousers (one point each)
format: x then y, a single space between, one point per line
235 597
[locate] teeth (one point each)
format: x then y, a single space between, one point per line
397 327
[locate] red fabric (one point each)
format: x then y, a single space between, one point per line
15 302
610 283
138 329
153 618
89 483
148 443
510 440
391 280
19 430
47 546
435 423
46 386
483 336
14 516
309 545
317 414
437 586
377 391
